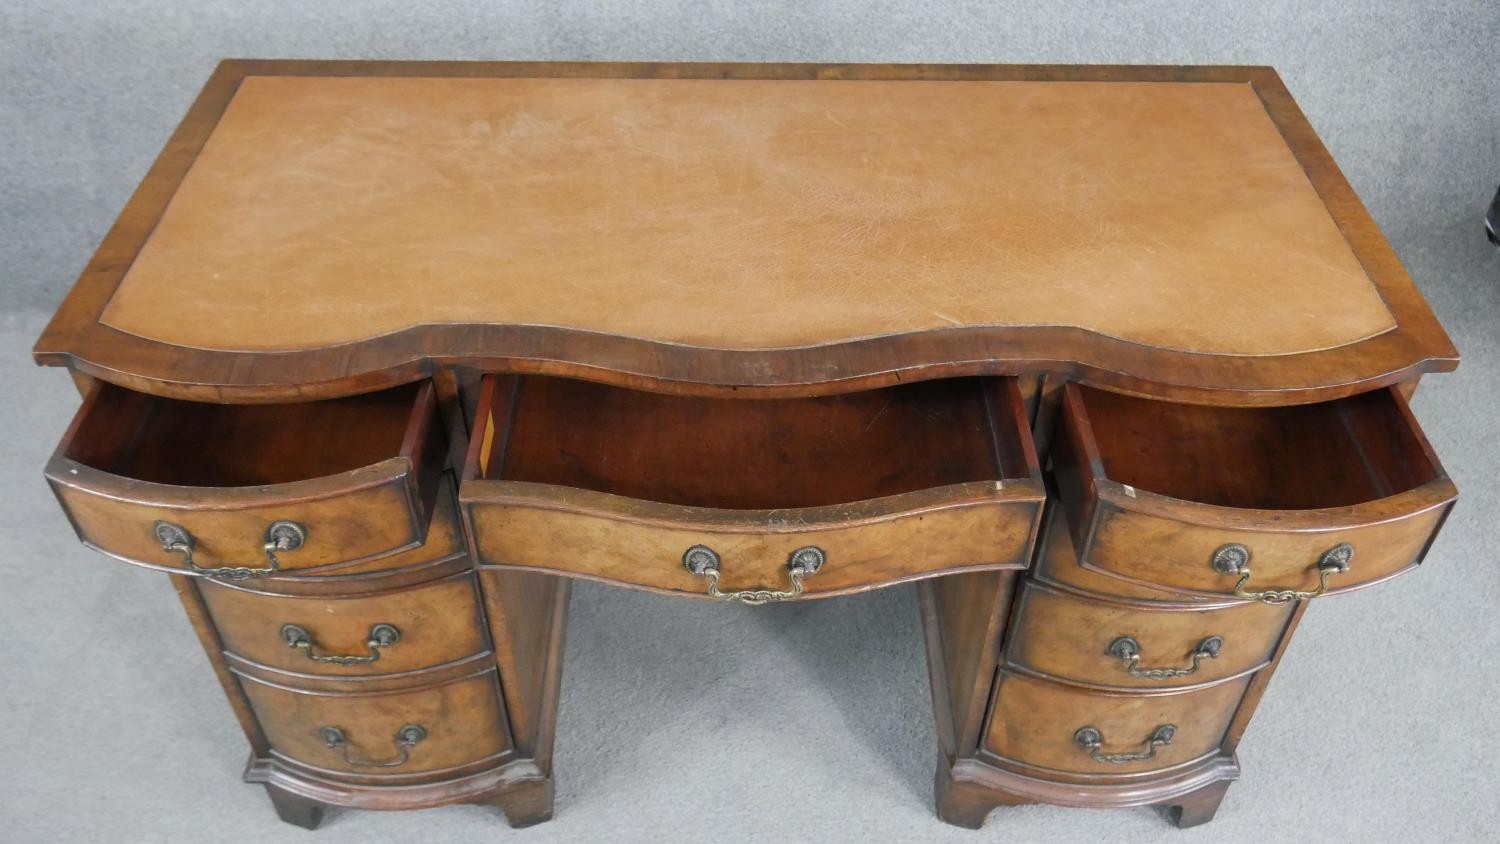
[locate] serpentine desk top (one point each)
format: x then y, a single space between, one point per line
319 228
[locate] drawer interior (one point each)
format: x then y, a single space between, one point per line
186 443
1299 457
749 454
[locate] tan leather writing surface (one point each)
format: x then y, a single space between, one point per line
746 214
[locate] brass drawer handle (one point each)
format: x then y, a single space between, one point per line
1234 558
406 737
280 536
1129 651
1090 739
381 636
703 561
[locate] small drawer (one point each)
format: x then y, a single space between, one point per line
239 491
1264 503
381 633
416 731
1063 728
444 548
760 499
1056 564
1103 643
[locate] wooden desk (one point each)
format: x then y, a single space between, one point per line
1109 361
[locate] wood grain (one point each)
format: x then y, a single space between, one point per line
463 719
1067 635
438 622
1033 721
868 545
1056 564
968 615
527 615
1287 483
361 475
598 482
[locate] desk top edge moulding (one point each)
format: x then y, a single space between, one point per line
745 228
1109 363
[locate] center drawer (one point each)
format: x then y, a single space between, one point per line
755 499
1262 503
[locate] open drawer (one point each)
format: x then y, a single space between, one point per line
236 491
1267 503
751 499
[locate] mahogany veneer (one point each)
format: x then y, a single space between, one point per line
1109 361
890 484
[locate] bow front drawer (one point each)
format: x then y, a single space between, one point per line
377 633
440 729
752 499
1268 503
1063 728
237 491
1062 634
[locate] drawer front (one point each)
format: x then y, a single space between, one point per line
1057 563
752 500
1129 646
856 547
1210 553
381 633
444 542
1271 504
455 724
223 523
352 525
1061 728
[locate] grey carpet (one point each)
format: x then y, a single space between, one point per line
683 721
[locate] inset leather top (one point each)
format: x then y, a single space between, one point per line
318 224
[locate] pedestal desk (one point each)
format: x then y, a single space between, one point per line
1109 362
